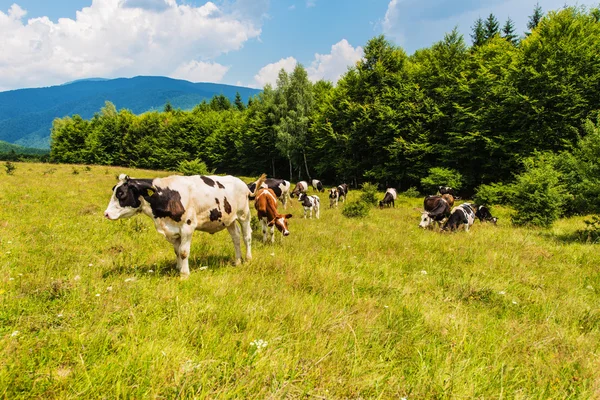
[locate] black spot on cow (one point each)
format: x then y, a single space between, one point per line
220 185
226 205
165 203
215 214
207 180
128 194
218 203
189 221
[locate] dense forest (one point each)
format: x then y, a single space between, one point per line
485 112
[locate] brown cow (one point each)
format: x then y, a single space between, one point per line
436 210
266 205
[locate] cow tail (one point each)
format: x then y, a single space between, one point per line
259 183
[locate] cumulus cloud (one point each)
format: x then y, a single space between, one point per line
119 38
331 66
200 71
268 73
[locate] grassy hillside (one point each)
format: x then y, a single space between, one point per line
375 308
26 115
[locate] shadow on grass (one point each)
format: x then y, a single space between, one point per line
579 236
168 266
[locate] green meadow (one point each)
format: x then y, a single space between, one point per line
342 308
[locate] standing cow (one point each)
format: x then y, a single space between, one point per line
179 205
310 203
461 215
317 185
436 209
337 193
301 187
266 206
389 198
280 187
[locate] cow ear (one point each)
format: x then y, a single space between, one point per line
271 223
288 216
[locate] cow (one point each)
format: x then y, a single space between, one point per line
301 187
333 197
446 190
461 215
449 198
266 206
389 198
317 185
310 203
280 187
342 191
179 205
436 209
484 215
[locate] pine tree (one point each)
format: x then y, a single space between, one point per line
492 27
478 35
239 104
534 19
508 32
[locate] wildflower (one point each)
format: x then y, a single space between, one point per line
502 292
259 344
386 307
77 277
97 294
9 241
59 315
150 271
589 287
109 289
514 302
272 254
424 272
11 279
129 279
203 268
15 333
8 252
90 265
20 274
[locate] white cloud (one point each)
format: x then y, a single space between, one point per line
311 3
331 66
200 71
268 73
119 38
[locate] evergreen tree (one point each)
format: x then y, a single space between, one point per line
239 104
168 107
478 35
508 32
534 19
492 27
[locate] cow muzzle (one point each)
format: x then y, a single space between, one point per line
286 233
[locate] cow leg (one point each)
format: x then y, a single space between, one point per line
263 224
247 236
317 211
272 232
184 253
393 204
305 211
234 232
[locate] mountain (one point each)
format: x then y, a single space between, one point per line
8 147
26 115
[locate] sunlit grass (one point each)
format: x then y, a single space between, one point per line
342 308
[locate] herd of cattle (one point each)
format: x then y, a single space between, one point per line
180 205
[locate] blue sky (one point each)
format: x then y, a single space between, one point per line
239 42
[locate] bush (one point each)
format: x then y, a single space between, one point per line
411 192
538 197
193 167
441 177
495 193
10 167
356 209
369 194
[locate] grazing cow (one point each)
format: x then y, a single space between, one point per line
389 198
446 190
333 197
483 214
301 187
461 215
280 187
179 205
317 185
436 209
449 198
310 203
266 206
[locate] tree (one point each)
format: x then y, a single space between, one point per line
535 18
508 32
478 36
168 107
239 104
492 27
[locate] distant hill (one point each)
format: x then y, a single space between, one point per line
8 147
26 115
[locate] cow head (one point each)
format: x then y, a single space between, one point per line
426 220
281 223
381 204
125 201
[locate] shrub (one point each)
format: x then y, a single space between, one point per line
441 177
369 194
75 171
538 196
356 209
592 229
193 167
495 193
10 167
411 192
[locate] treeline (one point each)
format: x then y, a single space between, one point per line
480 110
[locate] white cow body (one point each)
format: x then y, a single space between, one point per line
310 203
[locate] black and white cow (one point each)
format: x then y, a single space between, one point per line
436 210
461 215
280 187
317 185
484 215
342 192
301 187
333 197
310 203
446 190
179 205
389 198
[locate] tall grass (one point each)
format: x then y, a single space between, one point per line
342 308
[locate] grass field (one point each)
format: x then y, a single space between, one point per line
342 308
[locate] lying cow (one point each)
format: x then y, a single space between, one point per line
317 185
484 215
280 187
179 205
266 206
389 198
461 215
310 203
301 187
436 210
